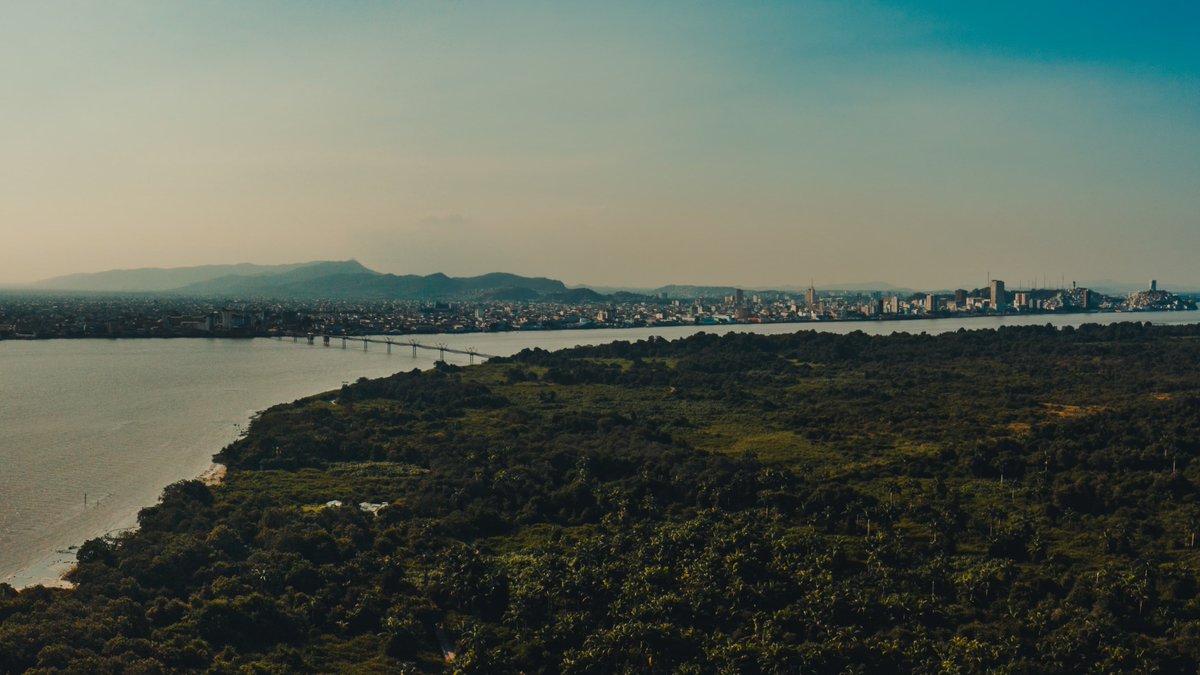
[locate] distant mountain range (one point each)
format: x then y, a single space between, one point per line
346 279
350 280
159 280
689 291
1111 287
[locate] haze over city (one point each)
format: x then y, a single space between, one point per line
623 144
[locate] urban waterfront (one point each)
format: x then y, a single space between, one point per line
118 420
40 316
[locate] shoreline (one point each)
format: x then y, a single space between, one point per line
51 571
213 475
42 535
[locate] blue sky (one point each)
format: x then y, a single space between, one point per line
751 143
1159 36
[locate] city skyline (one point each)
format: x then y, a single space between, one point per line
749 144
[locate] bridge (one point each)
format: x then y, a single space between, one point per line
441 347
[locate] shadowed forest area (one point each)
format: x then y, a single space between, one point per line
1021 500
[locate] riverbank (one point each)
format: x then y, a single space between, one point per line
213 475
95 429
51 570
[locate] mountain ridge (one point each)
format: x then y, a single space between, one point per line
371 285
334 279
167 279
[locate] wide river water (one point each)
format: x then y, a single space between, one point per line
92 430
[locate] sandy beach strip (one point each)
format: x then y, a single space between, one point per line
51 570
213 475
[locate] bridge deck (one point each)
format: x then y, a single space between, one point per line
385 341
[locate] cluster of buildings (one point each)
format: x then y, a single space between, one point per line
996 299
42 315
39 316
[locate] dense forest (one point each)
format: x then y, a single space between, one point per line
1019 500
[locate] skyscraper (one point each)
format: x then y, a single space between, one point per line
810 297
998 296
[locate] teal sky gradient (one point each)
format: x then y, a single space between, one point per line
750 143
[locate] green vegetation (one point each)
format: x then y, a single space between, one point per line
1021 500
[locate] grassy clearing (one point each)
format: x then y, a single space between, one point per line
351 483
782 447
1067 411
623 364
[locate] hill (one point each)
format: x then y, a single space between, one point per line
157 280
691 291
348 280
1112 287
369 285
713 292
1021 500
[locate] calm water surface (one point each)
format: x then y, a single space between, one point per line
116 420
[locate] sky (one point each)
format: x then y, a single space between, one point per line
926 144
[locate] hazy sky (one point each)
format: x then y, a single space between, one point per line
641 143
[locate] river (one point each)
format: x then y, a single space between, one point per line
92 430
